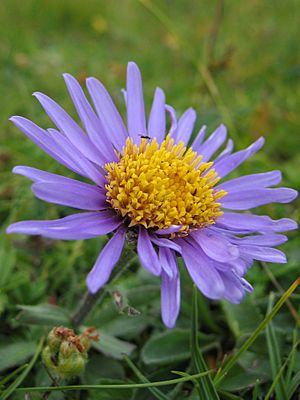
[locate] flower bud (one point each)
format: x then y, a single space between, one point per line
66 353
71 365
48 359
85 342
54 340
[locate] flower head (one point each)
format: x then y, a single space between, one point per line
148 182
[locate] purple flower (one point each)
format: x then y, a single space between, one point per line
149 183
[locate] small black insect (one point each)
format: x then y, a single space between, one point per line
145 137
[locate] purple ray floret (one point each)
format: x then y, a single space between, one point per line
216 252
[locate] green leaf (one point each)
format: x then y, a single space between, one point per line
274 354
242 318
17 382
113 347
15 353
173 346
102 367
205 385
43 314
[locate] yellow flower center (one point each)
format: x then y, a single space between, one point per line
161 185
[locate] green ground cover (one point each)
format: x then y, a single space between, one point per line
240 66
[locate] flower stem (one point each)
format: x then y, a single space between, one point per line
90 300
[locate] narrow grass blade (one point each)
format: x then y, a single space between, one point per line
112 386
205 385
11 375
294 386
231 362
158 394
291 365
279 375
25 372
274 355
229 396
255 390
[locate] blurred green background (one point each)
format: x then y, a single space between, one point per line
234 62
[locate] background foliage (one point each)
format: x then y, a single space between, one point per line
239 65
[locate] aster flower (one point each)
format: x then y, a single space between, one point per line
147 182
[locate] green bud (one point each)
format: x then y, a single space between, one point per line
54 340
72 365
85 342
67 349
48 359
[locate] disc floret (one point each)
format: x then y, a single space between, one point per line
162 185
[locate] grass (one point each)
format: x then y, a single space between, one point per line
240 67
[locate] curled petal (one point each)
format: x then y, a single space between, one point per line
106 261
170 299
250 223
147 254
74 227
215 246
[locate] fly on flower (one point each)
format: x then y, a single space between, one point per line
168 195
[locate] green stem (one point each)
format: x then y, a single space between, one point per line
114 386
90 300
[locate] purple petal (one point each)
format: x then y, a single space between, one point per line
264 254
228 150
37 175
110 118
157 117
234 290
89 119
60 148
106 261
70 128
227 164
199 139
162 242
41 138
215 246
135 103
253 181
86 167
172 113
247 223
170 299
185 126
74 227
245 199
202 271
124 93
270 239
213 143
167 231
147 254
76 194
167 259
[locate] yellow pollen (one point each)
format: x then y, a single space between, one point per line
161 185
